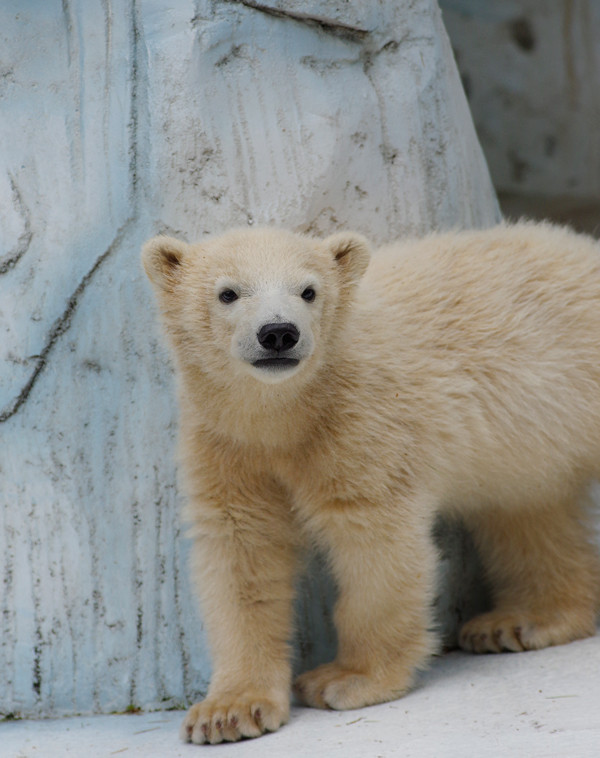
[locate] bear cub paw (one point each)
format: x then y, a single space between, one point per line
228 719
516 631
332 686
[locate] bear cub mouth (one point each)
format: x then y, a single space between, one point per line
276 363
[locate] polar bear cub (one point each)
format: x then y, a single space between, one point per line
347 399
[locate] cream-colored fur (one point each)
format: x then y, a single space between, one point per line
460 372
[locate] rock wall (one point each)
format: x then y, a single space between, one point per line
120 120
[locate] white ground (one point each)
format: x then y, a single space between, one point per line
531 705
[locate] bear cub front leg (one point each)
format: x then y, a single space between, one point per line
245 566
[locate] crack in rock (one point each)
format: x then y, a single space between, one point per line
351 33
24 241
61 325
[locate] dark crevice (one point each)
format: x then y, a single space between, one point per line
134 113
37 666
24 241
68 21
351 33
61 325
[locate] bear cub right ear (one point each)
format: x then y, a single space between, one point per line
162 258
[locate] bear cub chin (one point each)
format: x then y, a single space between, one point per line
339 399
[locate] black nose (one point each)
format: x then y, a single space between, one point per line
278 337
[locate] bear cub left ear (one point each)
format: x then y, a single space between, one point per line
351 252
162 258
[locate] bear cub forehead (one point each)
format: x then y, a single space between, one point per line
265 255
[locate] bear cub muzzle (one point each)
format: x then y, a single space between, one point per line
277 340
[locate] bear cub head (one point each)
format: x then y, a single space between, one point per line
261 303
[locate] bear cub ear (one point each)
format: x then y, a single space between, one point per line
162 258
351 252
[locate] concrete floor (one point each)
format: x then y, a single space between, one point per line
531 705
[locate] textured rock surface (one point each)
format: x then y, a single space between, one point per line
120 120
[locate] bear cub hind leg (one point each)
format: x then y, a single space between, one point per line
545 579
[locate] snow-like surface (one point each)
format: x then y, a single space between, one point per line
543 704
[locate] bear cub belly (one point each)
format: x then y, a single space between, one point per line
345 399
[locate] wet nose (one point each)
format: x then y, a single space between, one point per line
279 337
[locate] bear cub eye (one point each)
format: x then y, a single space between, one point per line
309 294
228 296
